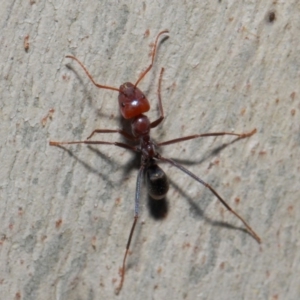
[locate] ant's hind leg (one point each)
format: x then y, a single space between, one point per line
180 167
136 215
190 137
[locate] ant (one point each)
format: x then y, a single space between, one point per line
133 104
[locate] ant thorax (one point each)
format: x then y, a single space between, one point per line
147 147
140 126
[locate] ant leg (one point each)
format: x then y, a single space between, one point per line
153 55
250 230
90 76
136 215
160 106
121 145
239 136
122 132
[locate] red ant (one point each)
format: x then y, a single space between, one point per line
133 104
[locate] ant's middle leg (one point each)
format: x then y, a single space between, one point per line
238 135
121 145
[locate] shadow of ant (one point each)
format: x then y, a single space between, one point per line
89 96
212 153
87 166
200 212
158 209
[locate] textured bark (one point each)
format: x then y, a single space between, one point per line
65 213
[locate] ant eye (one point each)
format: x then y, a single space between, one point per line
123 104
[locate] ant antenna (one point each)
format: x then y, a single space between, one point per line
153 55
100 86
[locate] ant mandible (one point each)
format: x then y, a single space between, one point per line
133 104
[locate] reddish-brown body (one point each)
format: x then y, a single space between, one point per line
133 104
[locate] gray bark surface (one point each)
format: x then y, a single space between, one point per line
66 213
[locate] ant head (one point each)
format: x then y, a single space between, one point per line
132 102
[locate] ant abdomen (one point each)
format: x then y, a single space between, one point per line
157 182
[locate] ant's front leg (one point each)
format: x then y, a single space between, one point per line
122 132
